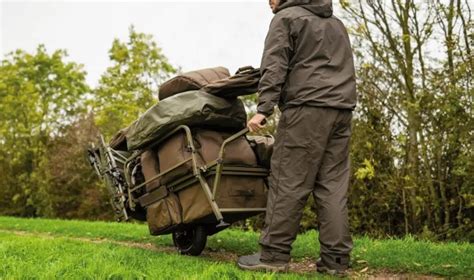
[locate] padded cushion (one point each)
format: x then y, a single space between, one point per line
193 80
244 82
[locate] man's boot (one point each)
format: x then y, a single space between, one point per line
253 262
339 270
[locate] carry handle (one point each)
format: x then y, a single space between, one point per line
220 159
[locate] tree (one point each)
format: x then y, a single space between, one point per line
74 190
419 93
130 86
40 94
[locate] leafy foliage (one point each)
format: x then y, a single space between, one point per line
40 95
46 124
130 86
415 119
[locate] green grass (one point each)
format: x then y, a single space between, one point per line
397 255
29 257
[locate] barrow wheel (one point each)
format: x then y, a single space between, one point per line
190 241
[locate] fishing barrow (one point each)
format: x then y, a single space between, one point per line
196 190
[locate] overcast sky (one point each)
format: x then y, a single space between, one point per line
192 35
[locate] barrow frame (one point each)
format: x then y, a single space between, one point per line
127 195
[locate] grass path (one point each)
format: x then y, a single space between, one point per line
36 257
302 266
370 256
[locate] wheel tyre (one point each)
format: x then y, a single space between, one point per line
190 241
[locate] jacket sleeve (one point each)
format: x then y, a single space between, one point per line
274 66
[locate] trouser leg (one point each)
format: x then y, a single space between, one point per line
300 143
332 184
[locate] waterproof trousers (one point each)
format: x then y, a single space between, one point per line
311 155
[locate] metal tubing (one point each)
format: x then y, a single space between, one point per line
210 198
119 154
197 173
129 160
220 159
108 157
126 167
160 174
235 173
128 179
237 210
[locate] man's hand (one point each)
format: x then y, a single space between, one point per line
256 123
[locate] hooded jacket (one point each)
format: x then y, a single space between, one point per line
307 59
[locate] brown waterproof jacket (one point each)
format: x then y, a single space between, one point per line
307 59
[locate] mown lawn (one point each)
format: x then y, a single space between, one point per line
60 257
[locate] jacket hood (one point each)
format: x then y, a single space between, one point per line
322 8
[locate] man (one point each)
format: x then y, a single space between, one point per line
308 70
